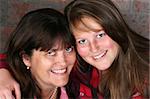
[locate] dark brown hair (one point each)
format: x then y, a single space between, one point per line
38 29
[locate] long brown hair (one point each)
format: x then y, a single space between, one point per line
129 72
38 29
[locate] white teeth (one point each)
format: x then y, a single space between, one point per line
59 71
101 55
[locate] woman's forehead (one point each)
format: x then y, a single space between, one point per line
60 44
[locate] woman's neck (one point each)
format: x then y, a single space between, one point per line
49 94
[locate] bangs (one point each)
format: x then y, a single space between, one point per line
50 30
80 24
77 15
63 39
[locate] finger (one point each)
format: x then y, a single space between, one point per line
2 97
8 95
17 91
13 97
5 94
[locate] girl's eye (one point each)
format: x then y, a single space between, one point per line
51 53
83 41
101 34
69 49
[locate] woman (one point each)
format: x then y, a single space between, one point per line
106 42
41 54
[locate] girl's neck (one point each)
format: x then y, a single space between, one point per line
102 72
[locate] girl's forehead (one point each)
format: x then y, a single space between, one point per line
86 24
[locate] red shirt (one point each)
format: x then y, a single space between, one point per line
3 63
85 92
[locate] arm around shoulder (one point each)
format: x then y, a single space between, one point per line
8 85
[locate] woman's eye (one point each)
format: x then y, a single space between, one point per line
51 53
69 49
101 34
82 41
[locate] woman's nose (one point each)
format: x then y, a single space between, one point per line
62 59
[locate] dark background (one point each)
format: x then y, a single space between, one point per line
135 12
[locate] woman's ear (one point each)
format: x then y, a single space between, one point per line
26 59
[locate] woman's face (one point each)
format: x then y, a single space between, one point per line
94 45
51 68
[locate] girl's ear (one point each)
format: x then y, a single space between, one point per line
26 59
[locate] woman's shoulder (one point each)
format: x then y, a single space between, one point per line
3 63
63 94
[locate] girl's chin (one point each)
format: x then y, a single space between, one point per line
103 68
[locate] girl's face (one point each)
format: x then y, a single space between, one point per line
51 68
94 45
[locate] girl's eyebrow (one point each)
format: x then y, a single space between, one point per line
98 30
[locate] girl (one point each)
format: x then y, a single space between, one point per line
106 42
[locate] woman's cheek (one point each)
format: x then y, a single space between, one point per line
83 51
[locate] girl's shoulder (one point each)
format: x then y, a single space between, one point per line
90 90
137 95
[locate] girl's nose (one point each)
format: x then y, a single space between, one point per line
94 46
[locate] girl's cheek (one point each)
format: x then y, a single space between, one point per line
83 51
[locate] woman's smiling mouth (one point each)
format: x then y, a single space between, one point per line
59 71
